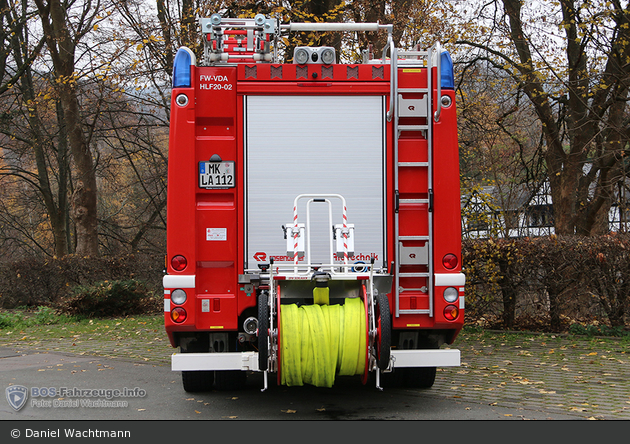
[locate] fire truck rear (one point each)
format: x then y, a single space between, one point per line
313 226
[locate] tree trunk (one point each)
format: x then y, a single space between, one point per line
62 45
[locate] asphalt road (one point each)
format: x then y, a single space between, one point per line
165 399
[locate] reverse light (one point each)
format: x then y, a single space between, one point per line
449 261
450 294
179 262
178 297
178 315
451 312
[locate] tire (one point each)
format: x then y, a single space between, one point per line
263 330
197 381
228 380
384 340
394 379
420 377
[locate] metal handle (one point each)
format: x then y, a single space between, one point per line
393 82
365 27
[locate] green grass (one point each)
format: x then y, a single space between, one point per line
23 318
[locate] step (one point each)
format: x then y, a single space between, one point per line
413 164
412 238
414 201
412 90
413 127
416 275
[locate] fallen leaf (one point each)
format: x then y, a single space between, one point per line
508 414
288 411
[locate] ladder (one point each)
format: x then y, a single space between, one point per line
414 213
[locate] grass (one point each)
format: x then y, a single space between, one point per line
24 318
136 337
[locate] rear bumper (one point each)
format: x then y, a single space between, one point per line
248 361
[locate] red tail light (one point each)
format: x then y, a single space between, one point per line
451 312
449 261
179 263
178 315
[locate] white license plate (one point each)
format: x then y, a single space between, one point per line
216 175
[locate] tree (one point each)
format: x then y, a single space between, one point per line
570 58
63 28
29 149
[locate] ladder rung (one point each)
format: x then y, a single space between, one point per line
422 290
413 164
413 127
406 238
412 311
413 90
414 201
414 275
413 53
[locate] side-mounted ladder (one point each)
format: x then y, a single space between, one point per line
413 219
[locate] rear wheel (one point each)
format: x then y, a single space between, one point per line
225 380
197 381
200 381
422 377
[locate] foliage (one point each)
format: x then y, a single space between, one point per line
25 318
111 299
38 281
547 283
571 62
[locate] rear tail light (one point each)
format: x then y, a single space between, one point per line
451 312
179 263
449 261
178 315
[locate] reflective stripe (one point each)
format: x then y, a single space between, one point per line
178 281
167 305
450 279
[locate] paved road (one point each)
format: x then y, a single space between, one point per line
165 398
502 377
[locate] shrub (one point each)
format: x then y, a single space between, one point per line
548 281
111 299
32 282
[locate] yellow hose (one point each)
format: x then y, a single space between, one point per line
319 341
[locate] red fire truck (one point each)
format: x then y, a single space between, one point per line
313 225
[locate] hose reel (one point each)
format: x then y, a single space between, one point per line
312 344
